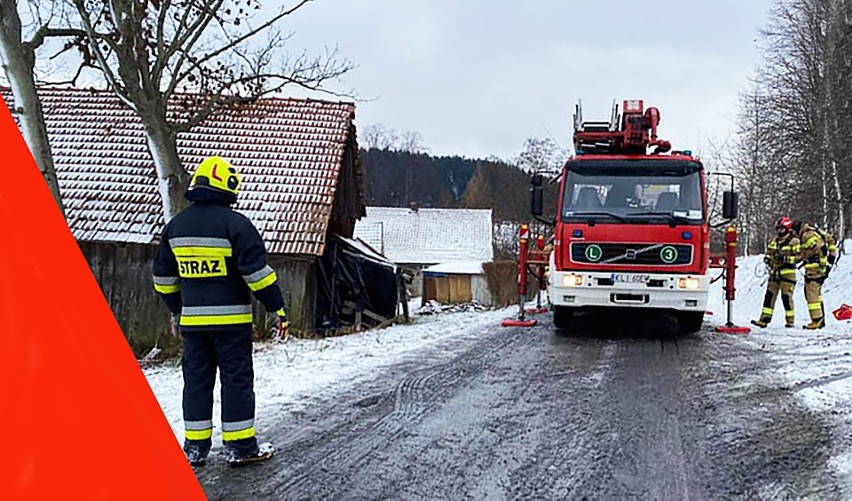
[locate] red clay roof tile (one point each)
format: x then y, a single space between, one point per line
289 152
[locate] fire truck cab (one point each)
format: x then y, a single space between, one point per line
632 226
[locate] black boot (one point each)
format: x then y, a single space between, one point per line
196 451
763 322
262 452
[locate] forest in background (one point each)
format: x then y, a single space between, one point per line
400 171
792 152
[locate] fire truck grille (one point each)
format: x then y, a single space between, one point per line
643 254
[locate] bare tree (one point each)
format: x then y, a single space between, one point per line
177 62
541 155
379 137
19 60
796 121
758 176
412 142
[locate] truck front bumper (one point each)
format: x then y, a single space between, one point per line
585 289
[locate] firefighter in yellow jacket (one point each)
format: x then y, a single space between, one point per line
818 253
210 261
781 258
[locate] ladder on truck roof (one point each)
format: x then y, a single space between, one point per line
630 130
583 126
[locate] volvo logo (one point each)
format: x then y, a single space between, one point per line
630 254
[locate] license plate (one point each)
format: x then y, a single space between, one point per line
630 278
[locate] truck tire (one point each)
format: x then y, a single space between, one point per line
562 317
690 321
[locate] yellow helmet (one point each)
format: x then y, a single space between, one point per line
216 173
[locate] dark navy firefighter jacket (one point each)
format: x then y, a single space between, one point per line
210 259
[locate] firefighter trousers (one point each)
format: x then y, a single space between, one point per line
785 286
813 295
229 350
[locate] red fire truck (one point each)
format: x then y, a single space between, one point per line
632 226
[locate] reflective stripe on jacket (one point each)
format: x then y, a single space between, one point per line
782 252
209 262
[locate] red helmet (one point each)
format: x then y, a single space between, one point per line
784 224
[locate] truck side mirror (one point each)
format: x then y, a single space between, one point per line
537 195
730 205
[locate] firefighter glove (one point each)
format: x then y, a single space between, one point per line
281 323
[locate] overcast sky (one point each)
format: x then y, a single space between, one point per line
477 77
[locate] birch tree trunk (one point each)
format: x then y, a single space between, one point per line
837 20
172 178
19 63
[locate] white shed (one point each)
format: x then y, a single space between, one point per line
451 242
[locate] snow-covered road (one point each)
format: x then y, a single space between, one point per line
817 365
291 375
760 415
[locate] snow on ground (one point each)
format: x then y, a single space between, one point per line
288 376
816 364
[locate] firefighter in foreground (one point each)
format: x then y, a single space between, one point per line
781 257
819 251
209 261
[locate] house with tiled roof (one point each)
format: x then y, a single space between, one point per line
303 187
448 245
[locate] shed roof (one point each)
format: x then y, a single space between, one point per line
456 268
289 153
428 236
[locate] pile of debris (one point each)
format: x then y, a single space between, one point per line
433 307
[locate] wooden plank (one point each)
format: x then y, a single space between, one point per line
430 289
460 291
375 316
402 293
442 293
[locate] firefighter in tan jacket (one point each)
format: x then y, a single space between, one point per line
781 257
818 253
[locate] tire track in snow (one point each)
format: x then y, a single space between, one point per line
419 393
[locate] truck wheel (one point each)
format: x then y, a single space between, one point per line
562 317
690 321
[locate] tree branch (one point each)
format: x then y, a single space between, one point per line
93 38
73 80
45 32
178 76
185 44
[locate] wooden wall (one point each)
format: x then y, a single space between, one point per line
447 289
123 272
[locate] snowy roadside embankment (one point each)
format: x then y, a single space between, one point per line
816 364
288 376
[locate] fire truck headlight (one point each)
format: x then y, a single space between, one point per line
688 283
572 280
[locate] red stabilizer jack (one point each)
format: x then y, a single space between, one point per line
730 271
732 329
535 311
510 322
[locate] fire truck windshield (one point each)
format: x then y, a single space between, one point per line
633 191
